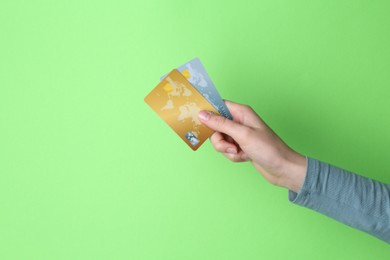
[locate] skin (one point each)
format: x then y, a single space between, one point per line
248 138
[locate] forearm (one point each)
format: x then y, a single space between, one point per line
352 199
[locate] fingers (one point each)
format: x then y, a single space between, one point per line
244 114
239 157
221 124
227 146
232 137
222 145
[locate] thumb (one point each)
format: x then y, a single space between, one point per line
221 124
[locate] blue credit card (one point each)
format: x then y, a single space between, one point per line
198 77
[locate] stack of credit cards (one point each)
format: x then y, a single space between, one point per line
179 97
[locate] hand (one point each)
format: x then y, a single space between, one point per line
248 138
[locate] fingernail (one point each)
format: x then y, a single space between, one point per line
231 150
204 115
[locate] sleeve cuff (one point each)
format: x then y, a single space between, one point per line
302 195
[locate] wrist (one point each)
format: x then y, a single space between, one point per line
294 172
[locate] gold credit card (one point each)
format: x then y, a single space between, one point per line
178 103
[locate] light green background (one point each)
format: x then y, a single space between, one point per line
88 171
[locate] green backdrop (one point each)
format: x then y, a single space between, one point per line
89 171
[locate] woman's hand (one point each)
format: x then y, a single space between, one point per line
248 138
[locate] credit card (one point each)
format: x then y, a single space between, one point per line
196 74
178 103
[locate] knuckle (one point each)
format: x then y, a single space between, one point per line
218 147
233 157
214 137
219 120
247 108
229 156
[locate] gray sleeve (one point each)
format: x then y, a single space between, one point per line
352 199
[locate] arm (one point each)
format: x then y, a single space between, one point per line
352 199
